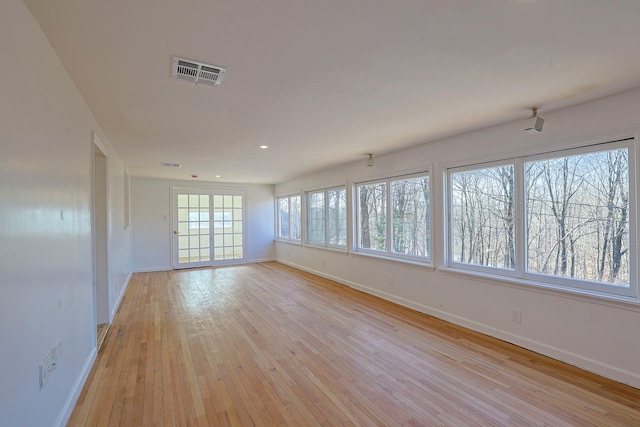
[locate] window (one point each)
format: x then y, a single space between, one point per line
394 217
482 216
327 217
288 217
574 210
316 218
337 217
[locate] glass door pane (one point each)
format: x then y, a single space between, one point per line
228 227
191 230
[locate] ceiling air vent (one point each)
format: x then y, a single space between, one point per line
171 165
196 72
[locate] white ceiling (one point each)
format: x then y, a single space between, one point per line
324 82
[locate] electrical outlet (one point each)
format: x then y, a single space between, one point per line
516 315
49 364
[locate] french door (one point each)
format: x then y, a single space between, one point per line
208 227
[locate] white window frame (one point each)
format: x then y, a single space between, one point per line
278 223
388 252
520 274
516 272
325 243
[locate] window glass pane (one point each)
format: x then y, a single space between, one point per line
410 204
193 201
482 216
337 217
228 201
316 217
183 228
372 214
577 214
294 223
183 201
283 217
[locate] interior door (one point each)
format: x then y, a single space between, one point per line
191 228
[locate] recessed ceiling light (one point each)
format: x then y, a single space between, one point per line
217 176
264 147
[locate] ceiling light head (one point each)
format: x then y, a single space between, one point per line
534 123
264 147
370 161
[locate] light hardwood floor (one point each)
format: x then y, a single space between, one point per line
269 345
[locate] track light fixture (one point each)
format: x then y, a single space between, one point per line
370 161
534 123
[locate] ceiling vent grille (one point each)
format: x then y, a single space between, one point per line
196 72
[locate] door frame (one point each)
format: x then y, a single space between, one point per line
100 230
211 191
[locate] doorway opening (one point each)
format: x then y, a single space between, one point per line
100 240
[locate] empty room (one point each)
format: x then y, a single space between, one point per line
319 213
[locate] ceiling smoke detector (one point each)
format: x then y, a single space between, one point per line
196 72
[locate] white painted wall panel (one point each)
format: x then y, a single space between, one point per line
597 335
45 226
152 227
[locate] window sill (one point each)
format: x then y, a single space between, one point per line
326 248
617 301
411 263
291 242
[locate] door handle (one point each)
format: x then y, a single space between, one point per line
176 232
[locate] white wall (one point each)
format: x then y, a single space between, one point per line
45 226
120 237
595 334
151 221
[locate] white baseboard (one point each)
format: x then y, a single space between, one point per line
240 262
151 270
119 300
67 409
595 366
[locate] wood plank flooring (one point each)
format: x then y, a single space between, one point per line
268 345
